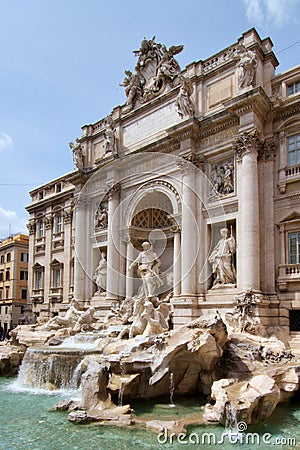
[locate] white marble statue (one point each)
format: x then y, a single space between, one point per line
78 154
183 103
246 67
148 269
85 319
67 321
221 260
110 138
101 274
156 323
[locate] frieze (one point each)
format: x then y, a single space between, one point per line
220 210
212 137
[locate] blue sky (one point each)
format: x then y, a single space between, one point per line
61 62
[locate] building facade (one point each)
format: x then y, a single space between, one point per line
14 254
204 163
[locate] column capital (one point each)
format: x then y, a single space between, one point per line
248 142
196 160
113 190
31 226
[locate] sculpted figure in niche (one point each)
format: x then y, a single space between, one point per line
148 269
246 67
221 260
183 102
101 274
78 156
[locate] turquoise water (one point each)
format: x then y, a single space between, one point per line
27 422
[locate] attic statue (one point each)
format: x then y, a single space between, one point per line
78 155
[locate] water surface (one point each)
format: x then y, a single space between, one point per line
27 422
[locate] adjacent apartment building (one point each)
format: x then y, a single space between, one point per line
204 163
14 257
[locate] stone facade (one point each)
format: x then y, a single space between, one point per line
190 154
13 280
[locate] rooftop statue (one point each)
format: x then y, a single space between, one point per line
183 102
78 154
246 67
156 69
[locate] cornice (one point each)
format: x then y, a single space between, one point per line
254 100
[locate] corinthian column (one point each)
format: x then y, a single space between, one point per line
248 257
112 284
189 232
80 249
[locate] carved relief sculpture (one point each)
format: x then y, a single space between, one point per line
222 178
184 104
156 68
78 154
101 216
246 67
101 274
221 260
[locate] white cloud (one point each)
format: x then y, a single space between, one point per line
265 12
5 141
10 222
254 11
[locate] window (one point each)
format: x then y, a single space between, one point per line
58 224
294 150
1 294
2 259
1 276
294 248
294 319
38 282
24 257
7 293
41 195
23 294
56 278
23 275
40 229
7 275
8 257
58 187
293 88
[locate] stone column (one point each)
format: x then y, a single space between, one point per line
189 232
176 262
67 216
31 230
112 244
247 146
48 221
80 250
129 272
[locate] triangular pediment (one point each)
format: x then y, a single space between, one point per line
293 216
